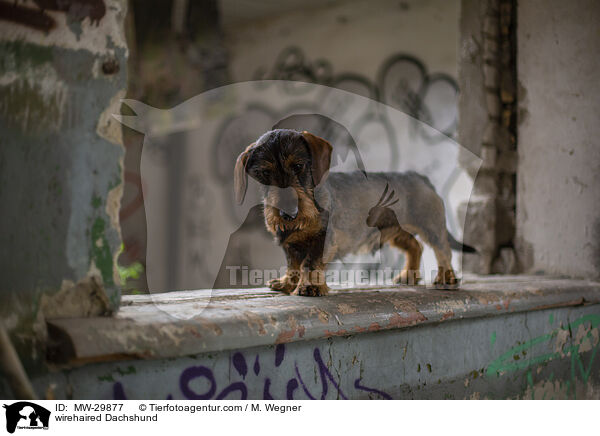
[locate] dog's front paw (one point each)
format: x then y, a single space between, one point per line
446 279
407 277
309 290
282 285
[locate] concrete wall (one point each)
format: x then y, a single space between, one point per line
62 73
558 183
354 36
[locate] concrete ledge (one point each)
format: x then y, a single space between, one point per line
191 322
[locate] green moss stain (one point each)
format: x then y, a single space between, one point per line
106 378
25 101
96 201
551 318
24 104
19 55
101 254
493 339
129 370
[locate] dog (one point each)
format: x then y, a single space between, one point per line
317 216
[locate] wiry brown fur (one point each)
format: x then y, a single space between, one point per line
306 222
317 217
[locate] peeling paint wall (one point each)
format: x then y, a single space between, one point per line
60 164
558 181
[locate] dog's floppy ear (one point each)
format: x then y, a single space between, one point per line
320 151
240 178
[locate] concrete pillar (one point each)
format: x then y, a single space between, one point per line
558 181
62 74
487 127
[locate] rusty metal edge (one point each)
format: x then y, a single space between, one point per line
100 339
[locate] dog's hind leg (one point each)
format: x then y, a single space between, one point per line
410 274
438 240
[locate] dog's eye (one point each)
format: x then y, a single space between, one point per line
265 174
298 168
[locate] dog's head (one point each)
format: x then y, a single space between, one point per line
288 165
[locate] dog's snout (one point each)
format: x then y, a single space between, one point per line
287 203
285 200
290 216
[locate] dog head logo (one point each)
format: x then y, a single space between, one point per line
26 415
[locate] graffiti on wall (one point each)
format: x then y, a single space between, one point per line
276 385
280 374
578 341
402 82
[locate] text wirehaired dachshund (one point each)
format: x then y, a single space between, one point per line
317 216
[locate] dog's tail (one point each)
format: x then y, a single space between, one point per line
459 246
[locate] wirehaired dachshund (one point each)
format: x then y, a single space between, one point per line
317 216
